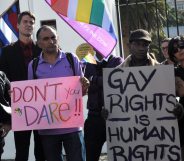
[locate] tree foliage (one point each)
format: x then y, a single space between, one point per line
172 19
146 14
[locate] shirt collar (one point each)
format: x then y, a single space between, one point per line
61 55
23 45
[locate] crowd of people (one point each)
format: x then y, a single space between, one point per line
16 64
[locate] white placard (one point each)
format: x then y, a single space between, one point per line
141 125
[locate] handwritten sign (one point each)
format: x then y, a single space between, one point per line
141 125
47 103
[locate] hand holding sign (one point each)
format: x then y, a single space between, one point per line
85 85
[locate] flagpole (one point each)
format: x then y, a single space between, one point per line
119 28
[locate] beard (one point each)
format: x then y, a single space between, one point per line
52 50
26 33
140 56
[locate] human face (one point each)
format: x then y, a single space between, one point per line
26 26
180 56
48 41
164 48
139 49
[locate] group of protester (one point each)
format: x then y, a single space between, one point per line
16 64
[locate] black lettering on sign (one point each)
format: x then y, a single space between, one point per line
130 80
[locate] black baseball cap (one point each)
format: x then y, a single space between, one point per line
140 34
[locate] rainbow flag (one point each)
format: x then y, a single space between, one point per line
89 59
88 11
8 25
89 18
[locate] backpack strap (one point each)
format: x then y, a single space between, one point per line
70 60
34 67
36 60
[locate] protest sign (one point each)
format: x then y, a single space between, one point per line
141 125
47 103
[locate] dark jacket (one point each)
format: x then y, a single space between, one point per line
179 72
151 61
12 61
5 111
94 73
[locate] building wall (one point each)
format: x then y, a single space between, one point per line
179 4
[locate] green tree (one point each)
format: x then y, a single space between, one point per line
172 19
142 14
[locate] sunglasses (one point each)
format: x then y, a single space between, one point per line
178 44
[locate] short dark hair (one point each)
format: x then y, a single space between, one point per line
24 14
44 27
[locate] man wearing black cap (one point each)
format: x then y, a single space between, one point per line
139 42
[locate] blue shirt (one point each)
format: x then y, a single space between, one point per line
61 68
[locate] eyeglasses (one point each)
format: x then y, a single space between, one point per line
164 47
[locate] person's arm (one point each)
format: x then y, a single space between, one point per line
5 128
178 110
7 88
179 87
3 61
78 70
30 71
85 85
5 125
